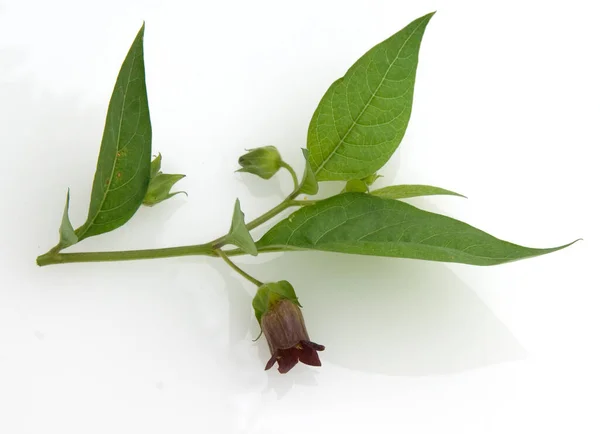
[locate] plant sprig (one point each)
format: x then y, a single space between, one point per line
357 126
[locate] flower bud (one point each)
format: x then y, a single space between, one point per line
356 186
278 312
263 162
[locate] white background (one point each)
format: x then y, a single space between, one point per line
506 112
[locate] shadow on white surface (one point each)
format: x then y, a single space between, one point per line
394 317
261 188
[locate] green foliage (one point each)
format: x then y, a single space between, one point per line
362 118
362 224
309 181
238 233
66 232
123 168
412 190
355 129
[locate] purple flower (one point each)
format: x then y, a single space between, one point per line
283 326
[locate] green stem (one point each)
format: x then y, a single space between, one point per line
292 172
288 202
303 202
238 269
130 255
208 249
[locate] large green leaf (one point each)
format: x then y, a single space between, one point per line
367 225
123 168
362 117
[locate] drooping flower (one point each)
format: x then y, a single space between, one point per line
278 312
283 326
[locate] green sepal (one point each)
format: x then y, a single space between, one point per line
369 180
239 235
155 166
270 294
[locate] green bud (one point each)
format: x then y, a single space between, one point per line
356 186
263 162
159 188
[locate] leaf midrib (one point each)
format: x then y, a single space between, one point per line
355 121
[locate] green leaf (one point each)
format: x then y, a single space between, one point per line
362 224
362 117
411 190
66 232
239 234
155 166
159 189
123 168
309 184
269 294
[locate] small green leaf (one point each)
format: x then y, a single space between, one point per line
411 190
309 184
159 189
123 168
66 232
269 294
155 166
362 117
362 224
239 234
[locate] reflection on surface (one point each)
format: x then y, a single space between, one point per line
396 317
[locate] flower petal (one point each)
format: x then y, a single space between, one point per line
288 360
313 345
271 362
308 356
